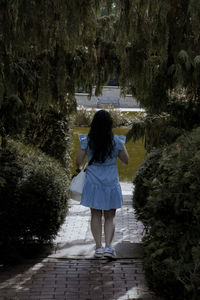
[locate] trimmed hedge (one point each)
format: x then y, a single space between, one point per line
34 193
171 210
141 192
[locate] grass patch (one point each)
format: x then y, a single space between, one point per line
136 153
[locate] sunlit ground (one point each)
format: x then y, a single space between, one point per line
136 153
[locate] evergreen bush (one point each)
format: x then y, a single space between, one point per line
119 118
34 193
51 132
172 213
147 171
83 117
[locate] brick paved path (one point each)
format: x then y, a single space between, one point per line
71 272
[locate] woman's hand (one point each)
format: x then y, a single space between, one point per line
77 171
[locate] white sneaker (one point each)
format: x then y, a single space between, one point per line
99 252
109 252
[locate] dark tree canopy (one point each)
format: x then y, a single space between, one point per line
43 43
48 49
159 50
158 47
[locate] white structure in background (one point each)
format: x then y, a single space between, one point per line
110 95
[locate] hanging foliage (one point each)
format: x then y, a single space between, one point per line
158 45
48 49
155 130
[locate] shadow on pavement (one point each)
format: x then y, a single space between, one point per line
75 279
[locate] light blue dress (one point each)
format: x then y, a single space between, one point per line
101 188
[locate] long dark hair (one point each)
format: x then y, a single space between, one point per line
100 137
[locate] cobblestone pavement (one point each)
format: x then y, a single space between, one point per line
71 272
75 240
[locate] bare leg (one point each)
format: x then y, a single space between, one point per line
96 226
109 225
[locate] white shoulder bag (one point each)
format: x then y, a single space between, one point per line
76 187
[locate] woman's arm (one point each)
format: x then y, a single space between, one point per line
123 155
80 157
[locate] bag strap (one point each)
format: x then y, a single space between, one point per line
85 167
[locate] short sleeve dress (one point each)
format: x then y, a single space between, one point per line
102 189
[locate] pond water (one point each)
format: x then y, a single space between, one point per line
136 153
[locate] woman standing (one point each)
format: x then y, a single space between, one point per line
102 191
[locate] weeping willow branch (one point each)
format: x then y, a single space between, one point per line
155 130
159 45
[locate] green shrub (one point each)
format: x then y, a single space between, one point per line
83 117
146 171
117 117
33 191
50 131
172 212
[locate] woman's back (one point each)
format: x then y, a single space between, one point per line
118 142
102 189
